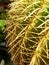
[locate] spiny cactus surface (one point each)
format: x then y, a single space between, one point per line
28 32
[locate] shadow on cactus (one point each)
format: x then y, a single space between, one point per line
28 32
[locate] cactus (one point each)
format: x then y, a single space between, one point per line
28 32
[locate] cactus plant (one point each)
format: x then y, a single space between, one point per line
28 32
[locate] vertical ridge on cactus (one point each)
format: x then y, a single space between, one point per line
28 32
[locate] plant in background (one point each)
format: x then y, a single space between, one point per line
28 32
3 16
2 24
2 27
